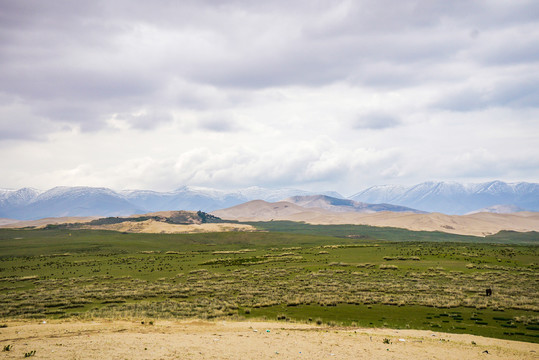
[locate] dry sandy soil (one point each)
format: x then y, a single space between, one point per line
158 227
148 226
479 224
244 340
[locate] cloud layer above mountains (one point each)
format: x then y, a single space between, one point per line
312 94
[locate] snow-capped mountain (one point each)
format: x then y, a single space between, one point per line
454 198
445 197
30 204
206 199
17 197
259 193
184 198
68 201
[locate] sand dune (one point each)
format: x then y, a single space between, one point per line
260 209
152 226
196 339
479 224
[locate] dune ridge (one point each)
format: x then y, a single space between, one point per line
478 224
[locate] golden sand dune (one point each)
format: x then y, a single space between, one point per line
260 209
152 226
194 339
479 224
165 222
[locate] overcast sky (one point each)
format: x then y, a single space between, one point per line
318 95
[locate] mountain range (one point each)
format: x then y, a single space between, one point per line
62 201
299 206
333 204
455 198
478 224
444 197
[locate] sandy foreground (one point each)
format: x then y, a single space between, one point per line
244 340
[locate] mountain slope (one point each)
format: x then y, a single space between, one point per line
445 197
11 200
344 205
480 224
30 204
454 198
74 201
260 209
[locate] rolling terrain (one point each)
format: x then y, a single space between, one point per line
344 205
81 201
443 197
476 224
479 224
166 222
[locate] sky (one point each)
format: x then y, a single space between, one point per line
316 95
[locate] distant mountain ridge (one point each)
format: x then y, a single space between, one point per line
62 201
444 197
344 205
455 198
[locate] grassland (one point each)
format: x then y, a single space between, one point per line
337 275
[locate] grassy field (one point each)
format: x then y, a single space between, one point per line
395 234
337 275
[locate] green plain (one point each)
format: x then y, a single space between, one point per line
336 275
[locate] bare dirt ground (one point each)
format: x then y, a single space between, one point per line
194 339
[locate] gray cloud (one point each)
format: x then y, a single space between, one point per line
145 120
17 122
514 93
376 121
125 50
219 124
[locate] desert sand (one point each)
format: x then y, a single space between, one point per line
159 227
148 226
244 340
478 224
